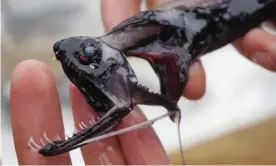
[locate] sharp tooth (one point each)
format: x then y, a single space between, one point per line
93 120
42 142
47 139
34 143
58 138
54 58
83 124
57 52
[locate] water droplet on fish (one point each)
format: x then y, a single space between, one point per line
92 66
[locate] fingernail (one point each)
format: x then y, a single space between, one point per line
269 26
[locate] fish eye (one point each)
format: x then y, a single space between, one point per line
90 54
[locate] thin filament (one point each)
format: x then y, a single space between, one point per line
179 137
137 126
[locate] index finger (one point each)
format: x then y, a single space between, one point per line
35 108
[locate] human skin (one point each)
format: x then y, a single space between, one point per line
35 106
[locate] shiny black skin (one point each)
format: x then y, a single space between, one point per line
193 32
169 37
108 83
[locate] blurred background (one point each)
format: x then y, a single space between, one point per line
234 123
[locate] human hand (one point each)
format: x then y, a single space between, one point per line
35 109
257 45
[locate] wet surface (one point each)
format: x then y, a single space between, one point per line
237 90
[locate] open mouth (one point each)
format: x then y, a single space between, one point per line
86 136
58 146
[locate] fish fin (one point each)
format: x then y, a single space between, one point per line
172 17
139 19
169 14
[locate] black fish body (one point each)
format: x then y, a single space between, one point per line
170 37
184 31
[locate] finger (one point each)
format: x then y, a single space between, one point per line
260 47
106 151
141 146
153 3
115 11
269 26
35 108
196 85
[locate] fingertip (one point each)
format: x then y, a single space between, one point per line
29 70
196 84
30 63
259 47
153 3
32 78
250 42
256 40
